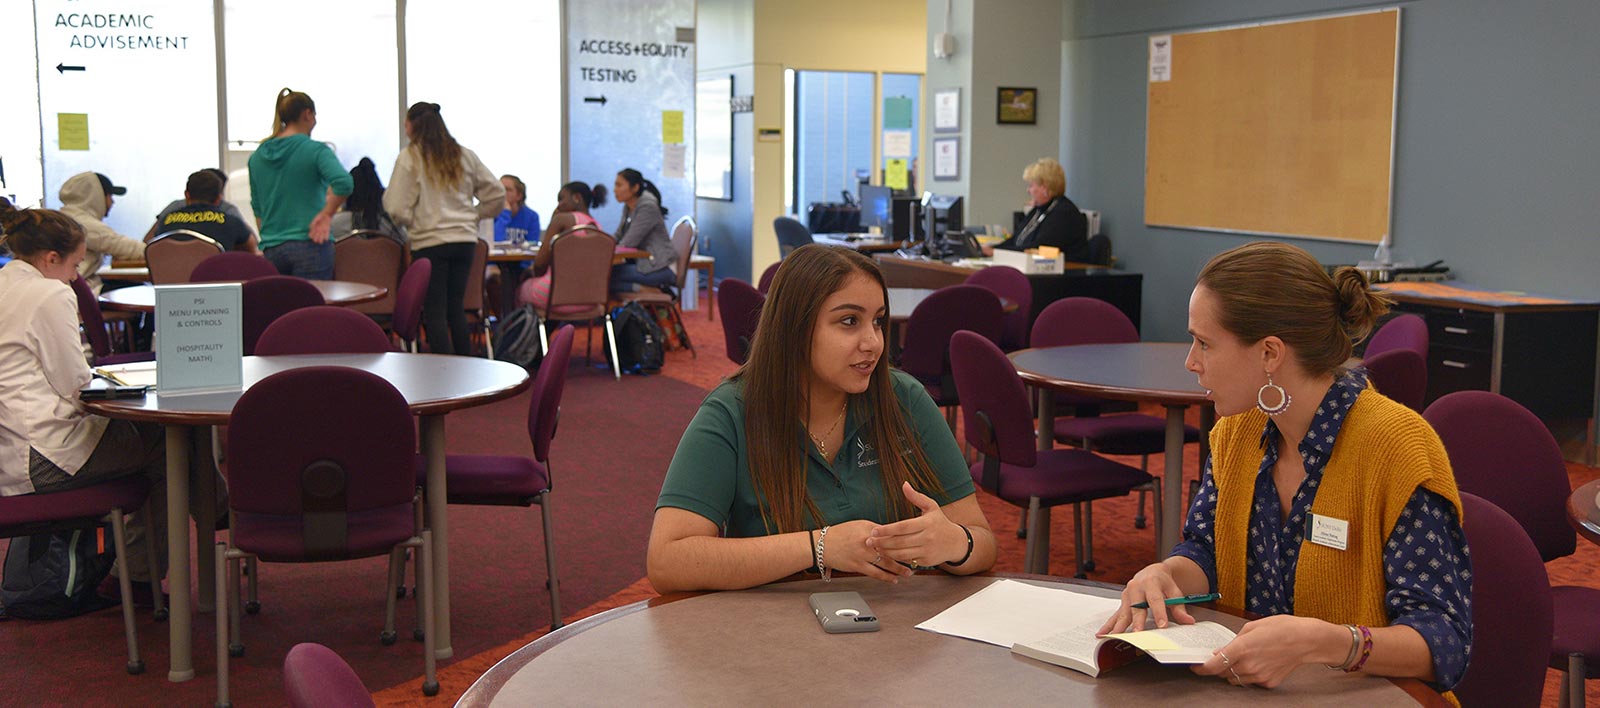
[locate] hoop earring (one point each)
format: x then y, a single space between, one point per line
1283 404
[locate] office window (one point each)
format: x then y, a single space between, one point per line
833 125
340 53
498 84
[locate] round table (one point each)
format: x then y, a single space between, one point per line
432 384
1583 510
902 301
763 646
505 253
1145 372
142 298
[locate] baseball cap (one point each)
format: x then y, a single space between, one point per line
108 187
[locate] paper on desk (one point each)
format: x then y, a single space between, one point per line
141 373
1008 612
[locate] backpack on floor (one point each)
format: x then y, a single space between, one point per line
55 575
516 338
639 340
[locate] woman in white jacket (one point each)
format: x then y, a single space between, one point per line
438 192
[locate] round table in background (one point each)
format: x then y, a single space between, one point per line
1583 510
142 298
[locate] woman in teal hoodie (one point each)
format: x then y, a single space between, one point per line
296 186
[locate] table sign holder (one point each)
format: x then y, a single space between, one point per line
199 338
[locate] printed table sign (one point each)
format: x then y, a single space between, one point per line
199 338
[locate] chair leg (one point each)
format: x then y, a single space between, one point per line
430 679
394 577
1077 540
1088 536
611 341
1138 516
1155 485
544 340
488 338
1036 558
1573 681
223 596
677 319
236 647
1022 524
252 605
155 571
119 540
550 561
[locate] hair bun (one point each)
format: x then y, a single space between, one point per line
433 107
1359 306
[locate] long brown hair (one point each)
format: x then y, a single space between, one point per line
775 384
288 108
441 154
1268 288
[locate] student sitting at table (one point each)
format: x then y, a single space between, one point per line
815 454
644 227
363 209
1324 506
86 198
202 213
573 202
227 207
516 222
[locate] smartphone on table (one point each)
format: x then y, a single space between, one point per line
842 612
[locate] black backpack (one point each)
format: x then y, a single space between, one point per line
639 340
55 575
516 338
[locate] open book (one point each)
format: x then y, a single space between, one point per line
1078 649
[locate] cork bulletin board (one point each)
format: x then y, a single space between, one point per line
1284 128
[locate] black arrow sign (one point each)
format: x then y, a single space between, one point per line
62 68
591 99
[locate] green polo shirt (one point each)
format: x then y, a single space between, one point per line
710 472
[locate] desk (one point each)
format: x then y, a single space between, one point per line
762 646
433 385
865 243
130 274
511 254
903 300
1583 510
142 298
1142 372
1120 288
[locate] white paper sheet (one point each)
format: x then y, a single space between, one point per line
1009 611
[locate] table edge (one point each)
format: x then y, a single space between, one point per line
1575 516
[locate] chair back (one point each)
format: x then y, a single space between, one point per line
544 411
374 258
173 255
473 301
994 405
765 283
741 312
685 236
315 676
1011 284
324 329
1082 320
580 273
1099 250
1400 374
408 299
230 266
94 323
1403 332
1513 617
1503 453
267 299
338 486
791 234
926 354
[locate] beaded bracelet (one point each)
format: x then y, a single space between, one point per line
968 556
1366 649
821 568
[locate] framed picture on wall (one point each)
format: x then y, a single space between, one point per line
1017 106
947 110
947 158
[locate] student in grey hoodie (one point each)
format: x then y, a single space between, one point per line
87 198
296 186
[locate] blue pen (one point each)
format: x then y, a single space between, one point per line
1185 600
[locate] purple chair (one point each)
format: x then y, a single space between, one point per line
301 490
1512 615
765 283
408 301
514 480
1400 374
315 676
94 326
1009 283
741 312
1502 452
1402 332
232 266
267 299
86 508
1082 320
926 354
580 273
999 424
323 329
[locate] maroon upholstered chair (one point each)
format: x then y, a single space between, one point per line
741 312
232 265
1009 283
94 327
473 299
765 283
301 491
1402 332
926 354
173 255
580 275
374 258
323 329
684 238
86 508
999 424
1512 615
267 299
315 676
1400 374
1502 452
413 290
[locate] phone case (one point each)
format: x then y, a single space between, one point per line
843 612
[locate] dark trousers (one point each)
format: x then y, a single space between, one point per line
444 311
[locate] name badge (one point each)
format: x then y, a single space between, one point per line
1330 532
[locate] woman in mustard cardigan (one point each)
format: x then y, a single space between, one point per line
1352 549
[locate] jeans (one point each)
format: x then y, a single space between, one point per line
625 277
303 259
444 312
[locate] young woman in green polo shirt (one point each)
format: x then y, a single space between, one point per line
815 454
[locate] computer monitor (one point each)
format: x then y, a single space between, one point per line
940 213
903 218
875 206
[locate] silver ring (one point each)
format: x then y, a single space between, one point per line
1225 660
876 557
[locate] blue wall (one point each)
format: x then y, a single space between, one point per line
724 225
1497 168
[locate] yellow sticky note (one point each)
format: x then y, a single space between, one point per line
1049 251
895 174
1148 640
73 129
672 127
